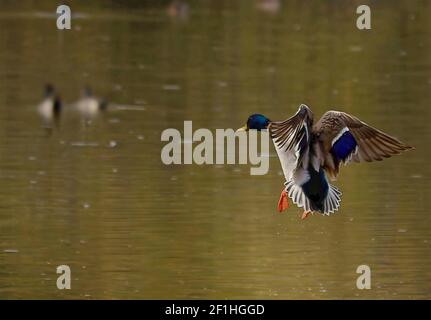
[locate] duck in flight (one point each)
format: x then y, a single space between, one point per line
311 152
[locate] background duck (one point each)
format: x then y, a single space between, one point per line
309 152
89 106
178 9
50 107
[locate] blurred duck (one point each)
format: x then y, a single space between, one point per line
50 108
309 152
89 106
178 9
269 6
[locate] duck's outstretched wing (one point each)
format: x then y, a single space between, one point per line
288 133
291 138
345 138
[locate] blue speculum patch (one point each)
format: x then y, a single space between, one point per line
344 146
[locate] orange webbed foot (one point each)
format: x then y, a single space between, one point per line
282 202
305 214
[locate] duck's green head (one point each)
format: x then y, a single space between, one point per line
256 122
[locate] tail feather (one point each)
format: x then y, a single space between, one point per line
332 201
298 197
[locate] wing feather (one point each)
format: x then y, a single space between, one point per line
288 133
290 138
372 144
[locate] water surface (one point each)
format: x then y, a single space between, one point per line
99 199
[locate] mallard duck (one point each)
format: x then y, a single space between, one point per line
310 152
89 106
178 9
50 107
270 6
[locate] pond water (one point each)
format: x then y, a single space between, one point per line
99 199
